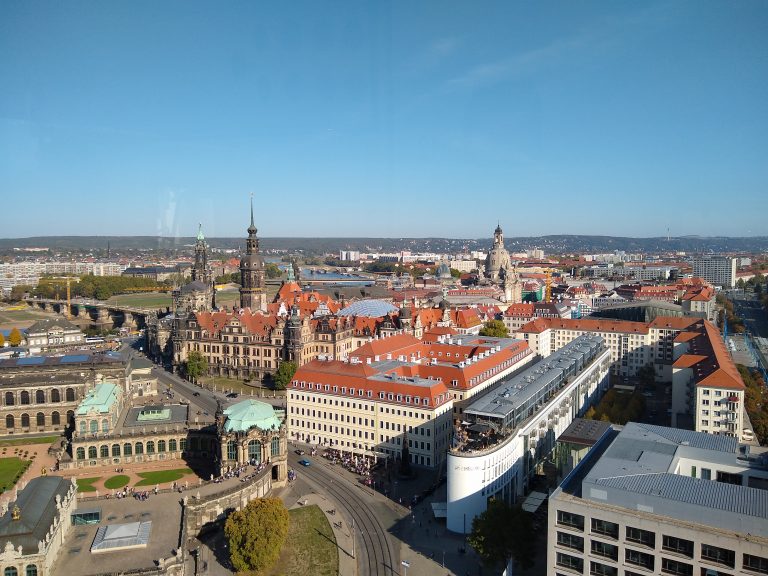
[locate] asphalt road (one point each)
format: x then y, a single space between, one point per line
376 554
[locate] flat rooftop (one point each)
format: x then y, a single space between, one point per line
640 470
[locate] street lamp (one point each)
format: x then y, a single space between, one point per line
406 565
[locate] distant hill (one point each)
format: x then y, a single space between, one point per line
556 244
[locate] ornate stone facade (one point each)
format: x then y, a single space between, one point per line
500 270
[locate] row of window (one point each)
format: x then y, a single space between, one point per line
672 544
129 449
253 449
40 419
40 397
30 570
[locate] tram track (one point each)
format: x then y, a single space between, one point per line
374 554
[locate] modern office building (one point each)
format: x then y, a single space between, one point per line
656 500
717 270
504 434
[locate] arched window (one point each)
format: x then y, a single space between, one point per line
55 395
81 453
9 423
25 420
94 425
139 448
31 570
69 394
232 450
104 451
183 444
105 425
172 445
9 399
10 571
83 427
40 397
150 447
55 418
161 445
127 449
24 397
115 449
91 451
276 446
254 451
40 419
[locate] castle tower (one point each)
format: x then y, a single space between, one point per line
252 272
201 271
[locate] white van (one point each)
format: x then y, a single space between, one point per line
747 435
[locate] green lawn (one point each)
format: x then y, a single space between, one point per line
310 549
11 470
162 476
149 300
27 441
116 481
86 484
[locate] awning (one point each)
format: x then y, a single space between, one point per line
534 500
440 509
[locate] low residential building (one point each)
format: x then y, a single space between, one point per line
52 334
656 500
504 434
707 389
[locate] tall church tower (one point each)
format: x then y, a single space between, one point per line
252 272
201 271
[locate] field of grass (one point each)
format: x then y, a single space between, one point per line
87 484
27 441
162 476
116 481
11 470
151 300
310 548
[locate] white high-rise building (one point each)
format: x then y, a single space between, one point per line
717 270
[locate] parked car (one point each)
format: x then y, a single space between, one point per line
196 394
232 395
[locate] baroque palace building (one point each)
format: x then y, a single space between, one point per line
41 393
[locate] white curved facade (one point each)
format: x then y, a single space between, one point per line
502 470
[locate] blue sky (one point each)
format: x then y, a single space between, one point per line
384 118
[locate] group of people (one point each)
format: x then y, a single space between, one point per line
357 464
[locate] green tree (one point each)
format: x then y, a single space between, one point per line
455 273
272 270
14 338
196 365
18 292
256 534
284 375
495 328
503 532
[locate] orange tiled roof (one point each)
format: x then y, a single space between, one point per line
688 360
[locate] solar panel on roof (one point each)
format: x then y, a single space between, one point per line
74 358
31 361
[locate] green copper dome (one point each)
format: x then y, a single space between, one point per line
249 413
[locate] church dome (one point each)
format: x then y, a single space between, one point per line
245 415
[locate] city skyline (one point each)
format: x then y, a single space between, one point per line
384 120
